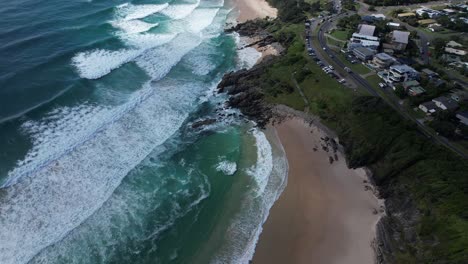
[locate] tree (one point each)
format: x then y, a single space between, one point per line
425 16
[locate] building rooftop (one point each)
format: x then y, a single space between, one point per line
429 72
448 102
416 90
454 44
403 68
367 30
393 24
430 105
384 56
410 84
427 21
400 36
364 51
406 14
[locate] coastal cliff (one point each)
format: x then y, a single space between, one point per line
424 185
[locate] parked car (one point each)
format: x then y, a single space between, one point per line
348 70
331 67
382 85
342 81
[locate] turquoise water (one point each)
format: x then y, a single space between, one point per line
99 162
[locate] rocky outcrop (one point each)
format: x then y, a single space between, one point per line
244 92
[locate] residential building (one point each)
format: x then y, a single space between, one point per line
409 84
363 53
435 27
408 14
428 107
459 96
416 91
454 44
358 40
399 39
383 61
430 12
393 25
445 103
413 88
463 117
425 22
402 73
367 30
430 74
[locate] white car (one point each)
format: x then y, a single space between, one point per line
382 85
342 81
331 67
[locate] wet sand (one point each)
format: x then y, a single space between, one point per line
324 215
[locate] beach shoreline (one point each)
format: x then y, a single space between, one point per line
327 213
253 9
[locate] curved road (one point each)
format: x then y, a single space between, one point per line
368 87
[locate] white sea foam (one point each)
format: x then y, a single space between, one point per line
200 18
41 210
247 57
262 170
97 63
159 61
130 12
246 227
179 11
133 26
147 41
227 167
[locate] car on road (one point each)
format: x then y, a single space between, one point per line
348 70
324 48
331 67
331 55
342 81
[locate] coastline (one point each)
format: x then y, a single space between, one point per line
327 213
252 9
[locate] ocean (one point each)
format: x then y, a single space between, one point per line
99 158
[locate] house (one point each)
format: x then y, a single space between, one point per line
425 22
459 96
399 39
463 117
428 107
409 84
430 12
408 14
454 44
402 73
416 91
383 61
393 25
445 103
367 30
379 16
413 88
430 74
363 53
435 27
359 40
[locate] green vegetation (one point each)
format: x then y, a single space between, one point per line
424 184
393 2
341 34
357 68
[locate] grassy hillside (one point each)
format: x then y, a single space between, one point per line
425 185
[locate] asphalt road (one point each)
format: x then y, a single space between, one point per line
368 87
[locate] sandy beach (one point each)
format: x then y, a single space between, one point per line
252 9
325 214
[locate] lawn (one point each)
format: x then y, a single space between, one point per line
334 42
357 68
374 80
340 34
